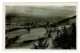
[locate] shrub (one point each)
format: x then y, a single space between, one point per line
66 40
41 44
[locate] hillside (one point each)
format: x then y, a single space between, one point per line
69 20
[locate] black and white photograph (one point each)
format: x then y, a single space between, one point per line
41 26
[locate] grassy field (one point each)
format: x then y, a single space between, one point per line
33 35
28 39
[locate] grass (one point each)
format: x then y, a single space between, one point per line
65 40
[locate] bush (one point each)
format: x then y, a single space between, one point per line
42 44
66 40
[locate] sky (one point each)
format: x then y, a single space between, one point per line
58 9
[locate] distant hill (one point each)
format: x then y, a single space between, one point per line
14 17
69 20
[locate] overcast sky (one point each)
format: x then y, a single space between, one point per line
45 11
